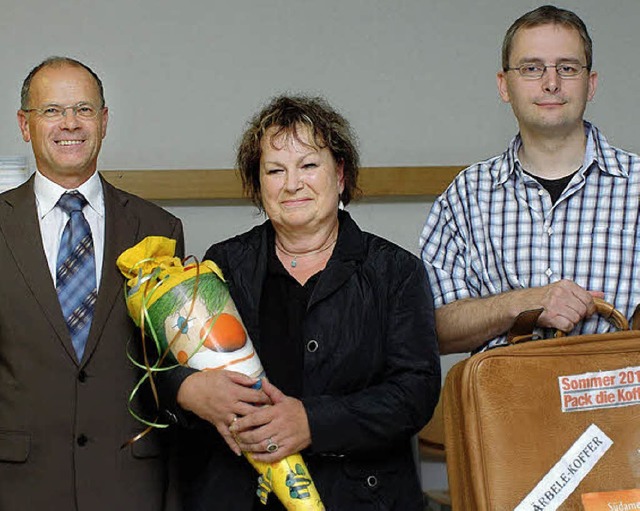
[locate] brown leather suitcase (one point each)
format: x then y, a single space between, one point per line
535 425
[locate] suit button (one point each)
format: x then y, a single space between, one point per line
372 481
312 346
170 416
82 376
82 440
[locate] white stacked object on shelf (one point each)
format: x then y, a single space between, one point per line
13 172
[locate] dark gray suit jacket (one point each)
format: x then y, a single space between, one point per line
62 422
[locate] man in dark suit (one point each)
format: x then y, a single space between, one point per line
64 376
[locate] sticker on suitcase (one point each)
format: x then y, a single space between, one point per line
623 500
560 482
602 389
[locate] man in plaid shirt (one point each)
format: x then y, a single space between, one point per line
549 223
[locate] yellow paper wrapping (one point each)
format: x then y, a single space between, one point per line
189 313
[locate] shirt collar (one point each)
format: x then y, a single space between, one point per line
605 156
597 150
48 193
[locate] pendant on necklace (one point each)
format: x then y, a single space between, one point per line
294 263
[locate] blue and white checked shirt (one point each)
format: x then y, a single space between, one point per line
495 229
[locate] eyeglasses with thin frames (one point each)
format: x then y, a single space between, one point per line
55 112
536 70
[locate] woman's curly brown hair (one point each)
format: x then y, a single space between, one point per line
288 114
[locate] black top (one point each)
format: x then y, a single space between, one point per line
555 187
283 307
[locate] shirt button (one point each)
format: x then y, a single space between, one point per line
372 481
548 272
550 231
82 440
540 193
312 346
82 376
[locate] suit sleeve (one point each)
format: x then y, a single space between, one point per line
178 235
169 382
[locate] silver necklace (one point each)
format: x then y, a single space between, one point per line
295 257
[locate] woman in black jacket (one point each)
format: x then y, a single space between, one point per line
341 319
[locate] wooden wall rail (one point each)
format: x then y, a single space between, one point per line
225 183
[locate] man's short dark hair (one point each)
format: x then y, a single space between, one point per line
56 62
547 15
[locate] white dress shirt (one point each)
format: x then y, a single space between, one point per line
53 219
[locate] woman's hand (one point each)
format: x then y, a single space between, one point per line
219 397
283 424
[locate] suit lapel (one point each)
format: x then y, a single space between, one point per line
21 229
121 229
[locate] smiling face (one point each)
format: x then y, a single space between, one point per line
65 150
549 105
300 183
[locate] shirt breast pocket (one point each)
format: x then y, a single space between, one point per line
614 245
614 265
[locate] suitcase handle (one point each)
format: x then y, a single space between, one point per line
525 322
608 312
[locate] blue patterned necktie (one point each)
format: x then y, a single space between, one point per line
76 271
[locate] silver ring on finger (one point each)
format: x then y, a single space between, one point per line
272 446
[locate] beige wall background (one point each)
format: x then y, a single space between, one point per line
415 77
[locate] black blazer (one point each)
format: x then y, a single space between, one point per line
62 422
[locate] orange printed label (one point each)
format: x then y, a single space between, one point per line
622 500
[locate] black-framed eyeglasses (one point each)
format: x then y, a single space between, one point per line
56 112
535 70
